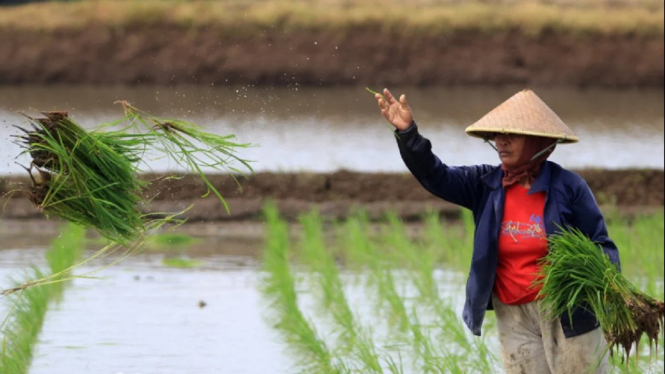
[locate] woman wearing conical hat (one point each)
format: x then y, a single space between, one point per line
515 205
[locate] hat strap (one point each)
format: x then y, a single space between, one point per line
565 136
487 140
550 146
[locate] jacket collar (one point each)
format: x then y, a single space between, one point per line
542 182
493 177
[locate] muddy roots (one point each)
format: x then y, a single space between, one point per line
648 315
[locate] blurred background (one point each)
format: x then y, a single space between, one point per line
290 77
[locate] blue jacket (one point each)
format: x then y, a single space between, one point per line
568 203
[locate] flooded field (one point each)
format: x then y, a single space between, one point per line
328 129
141 316
306 294
285 298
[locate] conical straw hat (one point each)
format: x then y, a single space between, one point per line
525 114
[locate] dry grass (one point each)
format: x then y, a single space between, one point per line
435 17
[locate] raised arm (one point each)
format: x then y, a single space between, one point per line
458 185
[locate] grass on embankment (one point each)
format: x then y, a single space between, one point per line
423 17
27 308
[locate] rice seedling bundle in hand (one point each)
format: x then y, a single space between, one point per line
577 273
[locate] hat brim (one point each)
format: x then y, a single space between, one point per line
485 133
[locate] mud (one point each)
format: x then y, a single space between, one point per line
360 55
335 195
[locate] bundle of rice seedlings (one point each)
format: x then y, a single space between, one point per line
88 178
92 177
577 273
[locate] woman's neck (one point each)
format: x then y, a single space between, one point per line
524 182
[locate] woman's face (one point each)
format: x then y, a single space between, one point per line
510 148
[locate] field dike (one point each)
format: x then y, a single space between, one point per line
336 194
605 43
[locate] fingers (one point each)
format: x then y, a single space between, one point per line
403 103
389 97
382 104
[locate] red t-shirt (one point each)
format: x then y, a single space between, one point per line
522 242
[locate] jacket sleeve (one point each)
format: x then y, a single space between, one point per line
589 220
458 185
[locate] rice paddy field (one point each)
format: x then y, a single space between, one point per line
307 296
294 291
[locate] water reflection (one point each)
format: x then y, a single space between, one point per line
327 129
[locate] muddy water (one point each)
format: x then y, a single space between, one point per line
327 129
140 317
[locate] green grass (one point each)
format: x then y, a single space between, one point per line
403 274
27 308
423 17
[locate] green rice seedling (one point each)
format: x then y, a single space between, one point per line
418 259
353 337
463 352
407 324
640 243
354 238
65 251
170 242
404 323
363 251
640 240
452 243
181 262
188 145
374 92
23 324
421 261
576 272
280 287
28 307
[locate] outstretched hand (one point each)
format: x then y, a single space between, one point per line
398 113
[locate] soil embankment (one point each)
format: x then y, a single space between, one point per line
603 43
169 55
336 194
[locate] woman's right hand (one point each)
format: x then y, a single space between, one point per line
398 113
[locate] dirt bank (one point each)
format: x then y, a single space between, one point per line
361 55
335 194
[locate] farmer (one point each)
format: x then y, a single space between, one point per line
515 206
